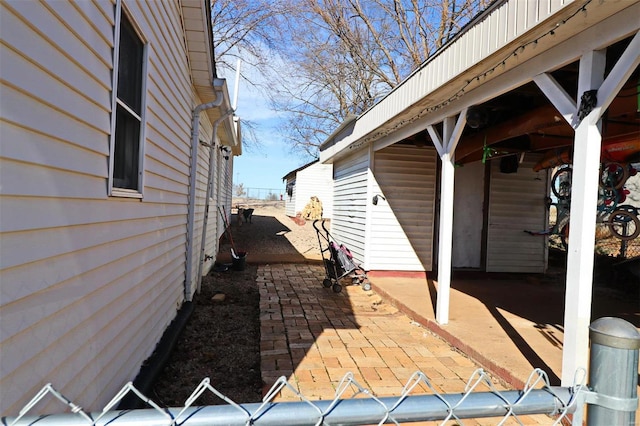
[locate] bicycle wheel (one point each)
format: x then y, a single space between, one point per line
613 175
624 224
561 183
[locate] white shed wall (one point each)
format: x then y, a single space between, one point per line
468 216
315 180
516 204
402 226
89 282
350 196
290 201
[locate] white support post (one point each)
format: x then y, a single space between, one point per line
584 200
445 241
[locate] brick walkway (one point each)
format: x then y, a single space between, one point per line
314 337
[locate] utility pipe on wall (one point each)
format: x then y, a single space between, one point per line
212 146
195 129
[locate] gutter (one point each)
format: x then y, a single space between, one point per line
214 143
191 212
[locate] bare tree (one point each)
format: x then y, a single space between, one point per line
244 30
345 55
324 60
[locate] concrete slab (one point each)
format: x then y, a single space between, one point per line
509 326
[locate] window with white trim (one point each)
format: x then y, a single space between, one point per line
127 121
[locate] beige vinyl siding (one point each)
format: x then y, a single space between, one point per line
213 227
219 173
202 175
351 180
89 282
402 226
516 204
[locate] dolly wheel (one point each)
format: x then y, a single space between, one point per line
326 283
366 286
337 288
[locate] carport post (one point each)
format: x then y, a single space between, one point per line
584 199
445 240
452 131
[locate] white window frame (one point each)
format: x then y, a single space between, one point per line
113 190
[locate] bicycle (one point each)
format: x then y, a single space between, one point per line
621 220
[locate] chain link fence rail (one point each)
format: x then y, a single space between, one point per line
612 395
362 407
267 194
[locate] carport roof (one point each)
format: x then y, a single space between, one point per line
466 71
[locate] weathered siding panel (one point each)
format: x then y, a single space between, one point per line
350 194
402 226
89 282
516 204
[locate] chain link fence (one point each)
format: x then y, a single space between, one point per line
611 397
263 194
353 405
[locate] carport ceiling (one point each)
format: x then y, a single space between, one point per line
524 120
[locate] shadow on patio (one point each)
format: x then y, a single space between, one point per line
509 323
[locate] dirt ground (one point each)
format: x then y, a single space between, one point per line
222 338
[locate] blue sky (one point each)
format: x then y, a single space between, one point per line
263 166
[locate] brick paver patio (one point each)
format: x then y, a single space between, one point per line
314 336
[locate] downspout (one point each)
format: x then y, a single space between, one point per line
212 146
191 214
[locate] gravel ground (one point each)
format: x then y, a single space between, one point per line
222 338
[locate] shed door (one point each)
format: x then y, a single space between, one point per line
516 204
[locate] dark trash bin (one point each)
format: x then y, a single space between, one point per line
239 261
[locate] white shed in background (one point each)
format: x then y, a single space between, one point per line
311 180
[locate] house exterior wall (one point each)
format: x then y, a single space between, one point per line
350 196
89 282
516 204
468 216
401 231
315 180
